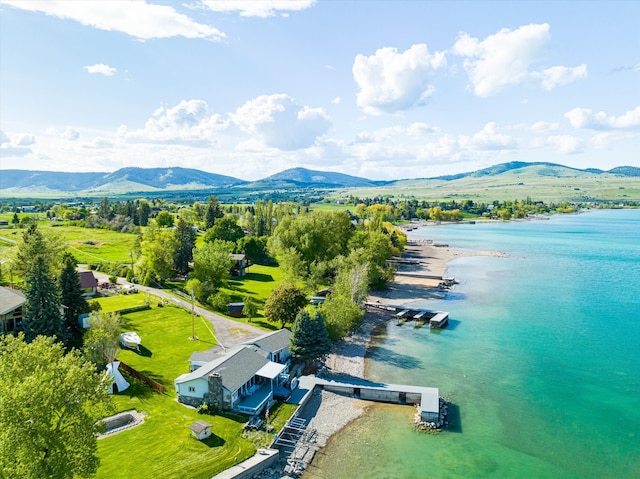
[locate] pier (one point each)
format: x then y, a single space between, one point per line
404 314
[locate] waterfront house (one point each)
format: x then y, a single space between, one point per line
241 380
11 302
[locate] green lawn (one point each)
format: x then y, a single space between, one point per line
91 245
118 302
163 447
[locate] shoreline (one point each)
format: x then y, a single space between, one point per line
333 412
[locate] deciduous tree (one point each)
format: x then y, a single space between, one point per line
50 405
225 229
284 303
102 339
212 263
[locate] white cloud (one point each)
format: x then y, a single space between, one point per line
489 138
100 68
544 127
566 144
505 58
15 145
280 122
188 122
258 8
336 101
139 19
71 134
559 75
390 81
584 118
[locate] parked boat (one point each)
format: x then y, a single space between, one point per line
130 340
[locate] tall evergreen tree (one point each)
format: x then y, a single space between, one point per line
71 290
143 213
309 337
186 242
213 212
42 308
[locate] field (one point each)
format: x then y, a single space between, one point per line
542 186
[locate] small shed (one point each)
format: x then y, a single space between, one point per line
200 430
235 309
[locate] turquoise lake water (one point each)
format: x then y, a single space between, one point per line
541 360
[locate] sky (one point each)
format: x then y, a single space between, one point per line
377 89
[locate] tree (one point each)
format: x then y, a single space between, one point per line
309 337
284 303
42 308
102 339
254 248
213 212
341 314
164 219
157 247
250 309
186 241
50 405
34 244
15 219
104 210
71 294
144 210
212 263
225 229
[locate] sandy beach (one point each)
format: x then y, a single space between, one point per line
333 411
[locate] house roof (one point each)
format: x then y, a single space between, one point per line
10 299
270 370
273 342
87 279
236 368
237 256
200 426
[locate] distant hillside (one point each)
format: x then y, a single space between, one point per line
540 179
124 179
625 171
300 177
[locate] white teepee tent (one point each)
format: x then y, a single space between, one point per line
118 382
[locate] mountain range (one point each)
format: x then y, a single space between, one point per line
177 178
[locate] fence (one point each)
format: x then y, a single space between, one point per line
154 384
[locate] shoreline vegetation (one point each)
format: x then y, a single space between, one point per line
348 358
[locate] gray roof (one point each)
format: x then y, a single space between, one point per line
203 356
273 342
10 299
236 368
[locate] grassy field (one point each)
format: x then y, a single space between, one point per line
118 302
509 186
88 245
162 447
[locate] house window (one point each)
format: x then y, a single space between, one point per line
192 389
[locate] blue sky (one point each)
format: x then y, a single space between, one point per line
379 89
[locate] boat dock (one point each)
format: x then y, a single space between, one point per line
404 314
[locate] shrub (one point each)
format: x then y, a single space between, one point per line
219 301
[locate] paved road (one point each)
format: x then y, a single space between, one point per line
228 333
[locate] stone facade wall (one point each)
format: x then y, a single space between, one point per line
190 401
